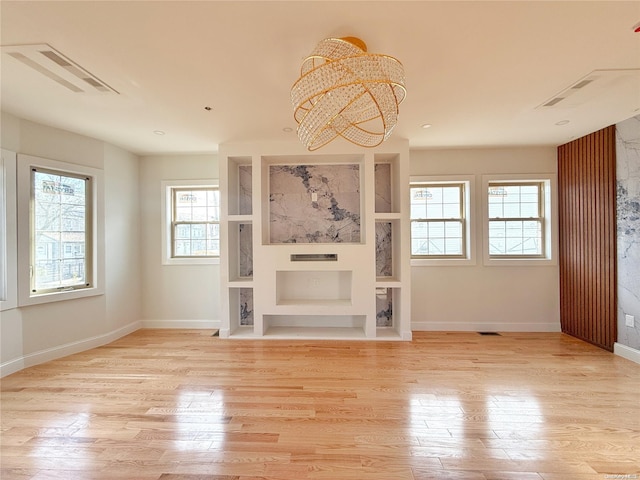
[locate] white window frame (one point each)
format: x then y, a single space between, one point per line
167 187
469 257
95 272
550 228
8 232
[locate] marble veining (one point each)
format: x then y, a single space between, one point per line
245 249
384 307
628 228
384 259
244 190
246 306
314 203
382 173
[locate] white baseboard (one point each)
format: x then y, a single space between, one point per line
26 361
12 366
484 327
189 324
626 352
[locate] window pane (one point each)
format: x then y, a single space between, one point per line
515 238
519 236
199 208
182 232
419 247
213 247
436 229
182 248
60 220
511 210
436 246
451 195
183 214
199 214
418 211
453 229
434 203
451 210
453 246
529 210
496 210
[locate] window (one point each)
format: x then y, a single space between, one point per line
61 231
516 219
191 222
438 226
60 245
8 225
3 231
195 222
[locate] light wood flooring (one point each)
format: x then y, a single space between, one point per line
183 405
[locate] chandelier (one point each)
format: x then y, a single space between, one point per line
343 91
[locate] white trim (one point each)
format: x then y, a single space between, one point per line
469 182
71 348
550 217
177 324
9 225
165 222
626 352
485 327
24 165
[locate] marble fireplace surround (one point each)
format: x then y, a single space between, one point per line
314 203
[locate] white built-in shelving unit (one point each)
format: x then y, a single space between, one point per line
355 289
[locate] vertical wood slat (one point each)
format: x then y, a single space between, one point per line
587 206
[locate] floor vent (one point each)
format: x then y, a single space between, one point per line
489 333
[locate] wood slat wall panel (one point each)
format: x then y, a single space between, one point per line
587 219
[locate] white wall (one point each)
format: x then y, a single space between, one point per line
122 238
174 296
141 291
38 333
480 297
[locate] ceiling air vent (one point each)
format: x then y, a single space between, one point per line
592 86
57 67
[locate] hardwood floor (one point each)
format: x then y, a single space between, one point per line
183 405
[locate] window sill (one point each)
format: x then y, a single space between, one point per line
442 262
191 261
519 262
60 296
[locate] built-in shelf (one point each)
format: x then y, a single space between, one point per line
306 302
240 218
314 245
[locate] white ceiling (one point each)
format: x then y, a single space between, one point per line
478 71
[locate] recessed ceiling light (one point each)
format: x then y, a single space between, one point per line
158 132
287 129
562 122
207 108
426 125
